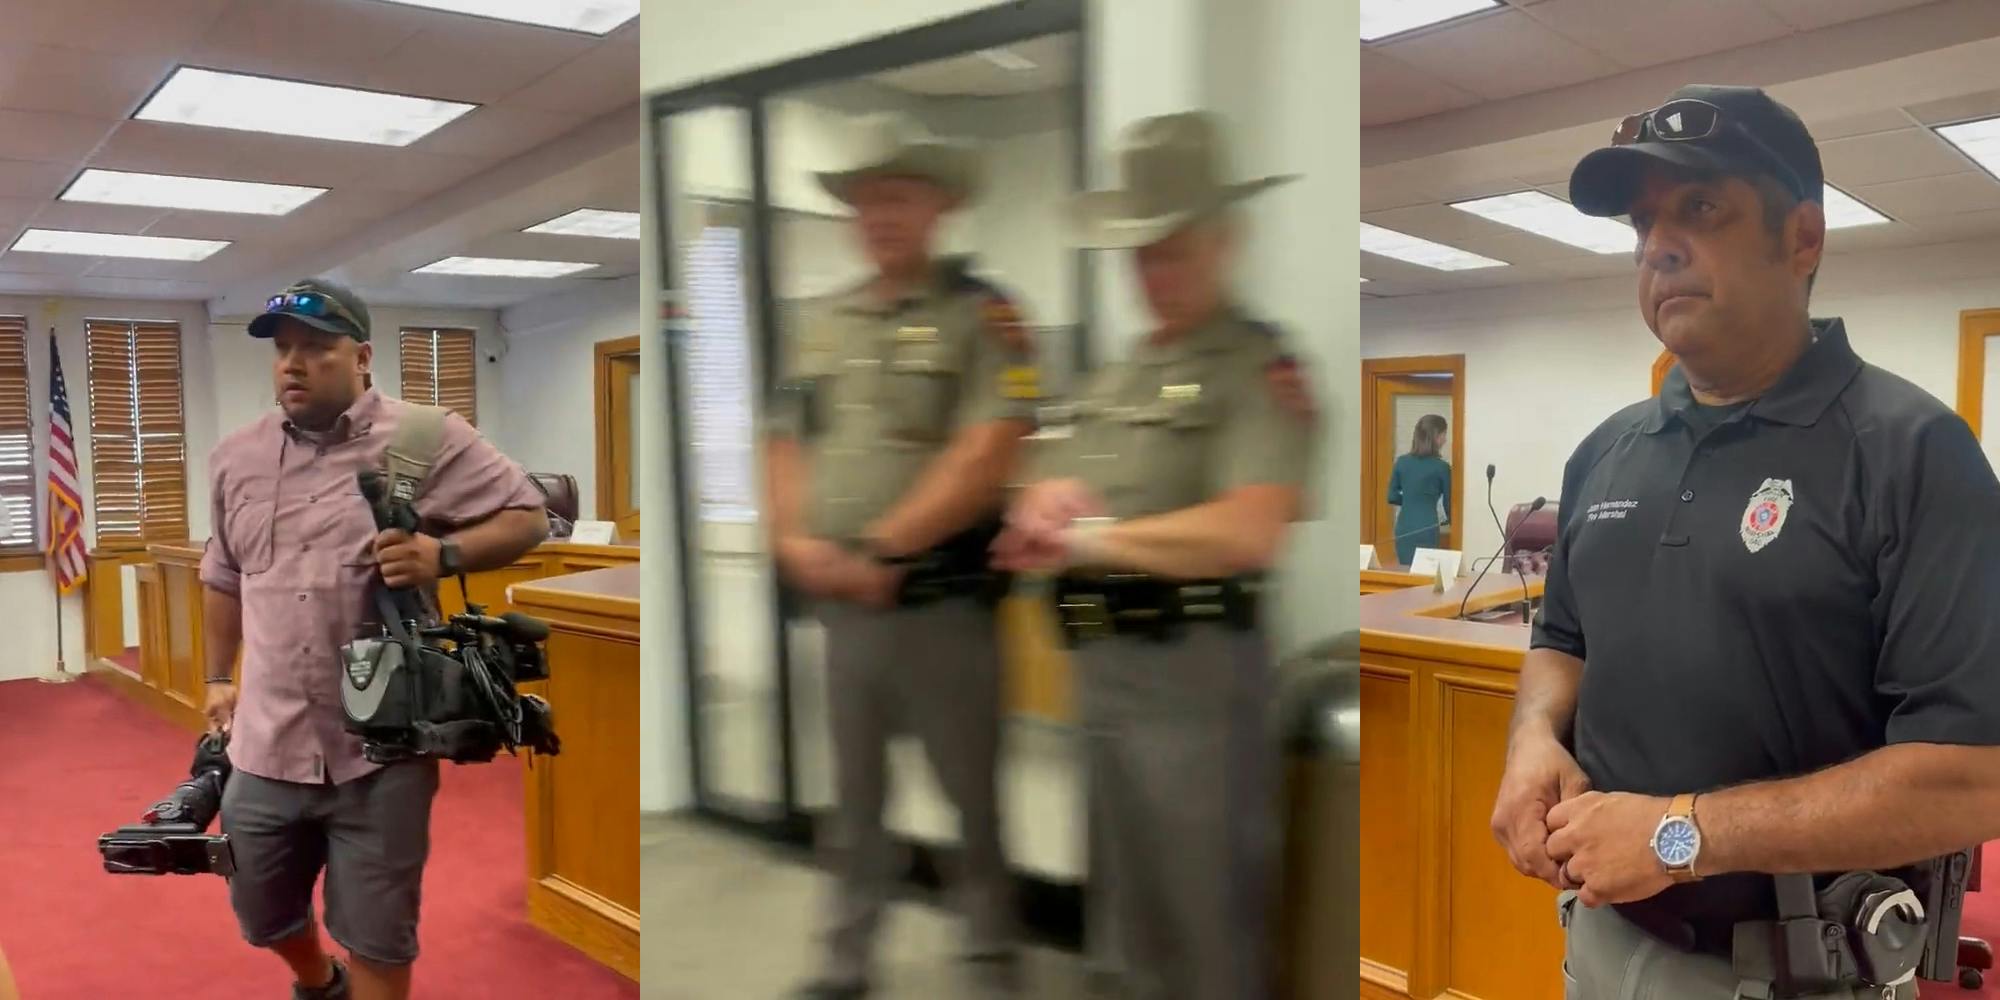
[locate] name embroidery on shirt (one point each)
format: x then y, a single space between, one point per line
1610 510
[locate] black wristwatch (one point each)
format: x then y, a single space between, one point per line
449 561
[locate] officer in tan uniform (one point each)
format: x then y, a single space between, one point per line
895 433
1159 513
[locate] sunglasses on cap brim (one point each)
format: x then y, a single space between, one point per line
314 304
1690 120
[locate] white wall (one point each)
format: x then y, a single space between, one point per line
1545 364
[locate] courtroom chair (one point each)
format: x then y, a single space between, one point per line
559 490
1531 537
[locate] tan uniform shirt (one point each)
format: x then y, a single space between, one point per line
893 384
1182 423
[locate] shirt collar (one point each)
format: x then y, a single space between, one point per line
1801 396
862 299
1213 334
354 421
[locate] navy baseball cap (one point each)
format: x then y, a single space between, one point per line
1734 131
321 304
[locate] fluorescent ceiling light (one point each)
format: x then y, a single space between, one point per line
1389 243
496 267
1843 211
1008 59
199 194
596 17
1553 218
1979 140
592 222
116 245
1382 18
290 107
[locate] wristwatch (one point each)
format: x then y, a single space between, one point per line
1677 840
449 562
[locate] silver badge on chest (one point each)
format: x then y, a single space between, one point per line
1765 517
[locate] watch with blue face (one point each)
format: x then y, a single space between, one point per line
1677 840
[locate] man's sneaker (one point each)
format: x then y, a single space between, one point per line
335 988
829 989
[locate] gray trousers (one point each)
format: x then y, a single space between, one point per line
1182 771
933 671
1607 957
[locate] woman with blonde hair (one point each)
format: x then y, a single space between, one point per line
1420 489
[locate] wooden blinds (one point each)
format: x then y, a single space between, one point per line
18 488
138 437
439 368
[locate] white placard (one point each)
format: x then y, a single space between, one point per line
1437 562
594 533
1368 558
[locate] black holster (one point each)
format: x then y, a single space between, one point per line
1863 928
960 566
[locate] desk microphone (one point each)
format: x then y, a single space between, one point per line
1506 537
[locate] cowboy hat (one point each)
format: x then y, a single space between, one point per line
894 145
1173 167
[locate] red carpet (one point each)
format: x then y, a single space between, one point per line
78 760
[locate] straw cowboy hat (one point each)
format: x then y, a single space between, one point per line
1173 168
894 145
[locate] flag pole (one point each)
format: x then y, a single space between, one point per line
62 674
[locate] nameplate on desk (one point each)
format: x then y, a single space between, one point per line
1369 559
1437 563
593 532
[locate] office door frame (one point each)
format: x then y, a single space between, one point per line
1374 477
1975 328
610 356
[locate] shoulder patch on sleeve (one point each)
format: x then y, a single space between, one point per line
1002 319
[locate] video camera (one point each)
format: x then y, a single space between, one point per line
172 838
442 690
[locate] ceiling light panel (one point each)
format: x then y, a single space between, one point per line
497 267
1843 211
1382 18
1978 140
1553 218
291 107
195 194
65 241
1422 252
592 222
595 17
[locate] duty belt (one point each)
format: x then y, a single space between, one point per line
1137 604
960 566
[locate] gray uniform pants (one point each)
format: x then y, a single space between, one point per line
1182 767
933 671
1608 957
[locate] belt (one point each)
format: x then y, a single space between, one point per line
1136 604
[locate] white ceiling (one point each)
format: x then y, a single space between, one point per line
73 72
1510 100
975 75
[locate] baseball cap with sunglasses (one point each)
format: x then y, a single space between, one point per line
318 303
1732 131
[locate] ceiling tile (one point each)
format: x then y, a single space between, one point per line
497 132
49 138
1862 123
91 218
151 27
478 61
76 81
605 79
1985 104
1394 92
1649 34
322 41
1809 14
1934 196
182 150
1906 154
1964 225
1505 55
28 179
122 267
55 264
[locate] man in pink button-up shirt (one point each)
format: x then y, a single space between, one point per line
288 574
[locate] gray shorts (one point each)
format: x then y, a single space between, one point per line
372 837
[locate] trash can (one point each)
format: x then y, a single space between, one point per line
1319 722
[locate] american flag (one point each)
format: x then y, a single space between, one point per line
66 550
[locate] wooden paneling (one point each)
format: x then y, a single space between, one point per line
104 601
1035 662
180 589
1445 913
583 804
617 369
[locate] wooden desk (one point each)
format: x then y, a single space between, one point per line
171 653
583 804
1443 911
1381 581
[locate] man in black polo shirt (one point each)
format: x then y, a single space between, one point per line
1770 641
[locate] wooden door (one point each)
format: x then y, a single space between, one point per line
1979 377
618 436
1394 392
